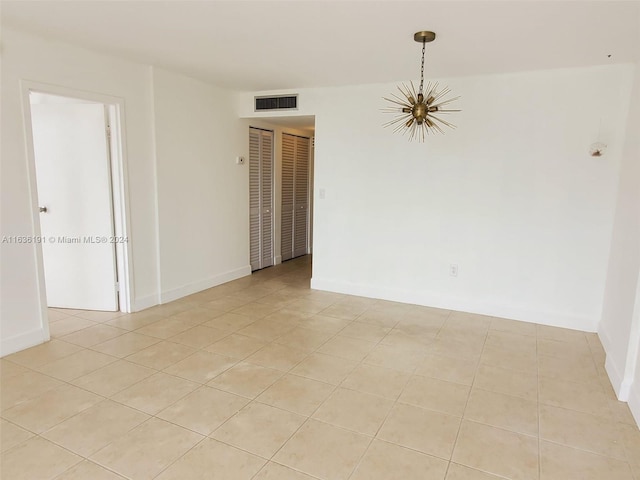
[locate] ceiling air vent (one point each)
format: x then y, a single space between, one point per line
281 102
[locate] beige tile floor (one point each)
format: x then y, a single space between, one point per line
263 378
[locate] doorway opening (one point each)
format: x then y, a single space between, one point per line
295 220
287 226
78 188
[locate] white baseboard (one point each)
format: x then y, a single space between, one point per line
195 287
143 303
20 342
621 386
634 402
625 390
617 380
278 260
604 339
431 299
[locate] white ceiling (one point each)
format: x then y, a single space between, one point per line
264 45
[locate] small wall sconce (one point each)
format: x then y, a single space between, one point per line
597 149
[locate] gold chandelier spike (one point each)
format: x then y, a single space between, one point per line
419 111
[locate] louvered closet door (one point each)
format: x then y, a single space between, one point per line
261 198
301 221
266 198
295 196
254 198
288 166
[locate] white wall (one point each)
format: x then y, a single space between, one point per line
619 333
511 196
188 200
203 196
26 57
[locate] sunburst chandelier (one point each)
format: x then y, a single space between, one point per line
419 112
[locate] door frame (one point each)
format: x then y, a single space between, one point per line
119 189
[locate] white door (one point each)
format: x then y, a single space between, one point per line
261 197
74 185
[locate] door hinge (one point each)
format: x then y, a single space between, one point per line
117 286
109 132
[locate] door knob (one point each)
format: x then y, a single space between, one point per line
43 209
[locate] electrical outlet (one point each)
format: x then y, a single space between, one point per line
322 194
453 269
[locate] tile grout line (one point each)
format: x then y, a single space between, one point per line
455 443
309 417
538 407
208 436
375 436
338 385
205 437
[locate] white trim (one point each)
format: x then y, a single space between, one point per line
122 217
24 340
634 402
278 260
604 338
625 389
633 352
43 330
621 384
148 301
156 186
120 188
617 379
195 287
432 299
622 376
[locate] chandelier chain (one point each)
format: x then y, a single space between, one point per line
424 44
